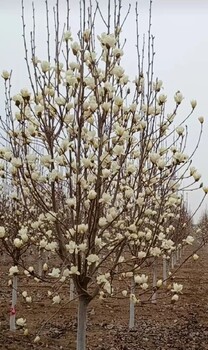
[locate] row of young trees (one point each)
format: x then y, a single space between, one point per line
93 167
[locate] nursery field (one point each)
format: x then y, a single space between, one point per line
162 326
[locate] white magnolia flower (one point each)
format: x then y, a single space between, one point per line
189 240
140 279
28 299
196 176
193 103
157 85
82 247
159 283
154 157
55 272
67 36
133 298
195 257
5 74
177 288
45 66
155 251
144 286
108 40
92 195
162 99
37 339
178 97
45 267
82 228
75 48
71 247
167 244
102 222
124 293
201 120
106 198
142 254
56 299
106 173
175 298
74 270
16 162
13 270
205 189
92 258
2 231
118 150
26 332
21 322
180 130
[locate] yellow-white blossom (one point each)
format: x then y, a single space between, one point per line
189 240
74 270
178 97
28 299
2 232
177 288
56 299
201 120
45 66
21 322
5 74
159 283
92 258
175 298
37 339
92 195
193 103
55 272
140 279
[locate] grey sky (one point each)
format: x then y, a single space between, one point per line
181 44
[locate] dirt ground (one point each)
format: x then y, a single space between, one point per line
160 326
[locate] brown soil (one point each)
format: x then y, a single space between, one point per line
161 326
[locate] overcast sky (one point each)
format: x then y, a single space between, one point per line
181 45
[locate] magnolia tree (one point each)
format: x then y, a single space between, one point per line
94 159
14 225
202 227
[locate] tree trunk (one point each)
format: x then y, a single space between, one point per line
172 261
12 319
82 323
132 307
71 291
40 264
164 271
154 282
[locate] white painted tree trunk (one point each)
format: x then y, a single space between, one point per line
82 323
12 320
175 257
71 290
164 271
40 263
132 307
154 281
178 255
168 267
172 261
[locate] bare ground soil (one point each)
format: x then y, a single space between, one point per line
160 326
